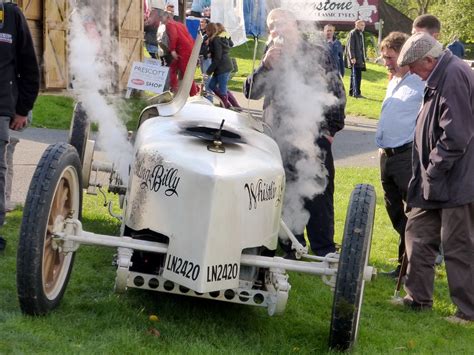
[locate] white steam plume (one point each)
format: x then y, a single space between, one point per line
295 114
91 47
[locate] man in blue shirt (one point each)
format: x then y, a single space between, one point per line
395 134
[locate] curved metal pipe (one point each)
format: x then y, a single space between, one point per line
174 106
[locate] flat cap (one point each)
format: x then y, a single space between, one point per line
418 46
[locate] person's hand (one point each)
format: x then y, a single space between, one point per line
272 57
329 138
353 60
18 122
174 55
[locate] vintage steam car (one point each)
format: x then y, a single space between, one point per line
201 216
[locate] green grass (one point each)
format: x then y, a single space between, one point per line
53 111
92 319
373 86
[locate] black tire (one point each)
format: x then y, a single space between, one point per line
55 192
79 130
349 290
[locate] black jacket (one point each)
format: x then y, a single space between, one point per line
269 85
356 49
219 48
19 72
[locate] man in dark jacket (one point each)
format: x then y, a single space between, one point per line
456 47
441 191
335 47
19 83
355 53
304 104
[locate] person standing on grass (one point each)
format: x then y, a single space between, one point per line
355 53
335 47
19 84
394 137
290 57
431 25
441 191
221 64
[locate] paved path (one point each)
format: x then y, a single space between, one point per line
354 146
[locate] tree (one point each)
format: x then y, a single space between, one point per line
413 8
457 19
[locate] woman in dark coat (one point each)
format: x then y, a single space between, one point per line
221 65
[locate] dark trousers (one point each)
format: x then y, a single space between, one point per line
356 79
395 174
320 227
454 229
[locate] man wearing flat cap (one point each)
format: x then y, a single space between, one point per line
441 191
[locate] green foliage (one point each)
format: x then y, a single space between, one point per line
92 319
457 19
456 16
413 8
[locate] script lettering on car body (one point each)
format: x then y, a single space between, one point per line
260 191
157 178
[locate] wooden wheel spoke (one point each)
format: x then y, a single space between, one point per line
48 244
47 263
61 197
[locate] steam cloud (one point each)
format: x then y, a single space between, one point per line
294 115
91 64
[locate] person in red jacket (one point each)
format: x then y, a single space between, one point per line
180 46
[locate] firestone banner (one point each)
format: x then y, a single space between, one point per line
335 11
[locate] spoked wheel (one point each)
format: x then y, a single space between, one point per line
354 257
55 194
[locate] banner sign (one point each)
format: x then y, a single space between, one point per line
334 11
148 77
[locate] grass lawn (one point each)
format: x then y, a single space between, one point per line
92 319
